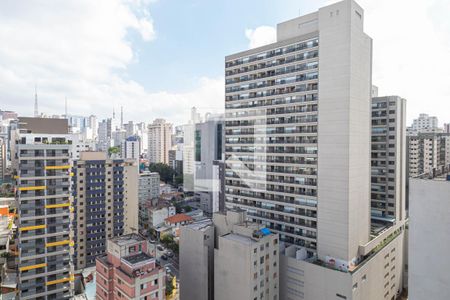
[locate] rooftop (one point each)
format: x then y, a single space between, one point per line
178 218
127 239
138 258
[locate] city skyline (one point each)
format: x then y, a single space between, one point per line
130 54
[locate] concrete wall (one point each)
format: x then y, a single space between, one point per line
196 263
380 277
429 239
344 131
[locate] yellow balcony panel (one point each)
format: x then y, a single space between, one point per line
60 243
32 188
32 227
33 267
62 167
58 205
62 280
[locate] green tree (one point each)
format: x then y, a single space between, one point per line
166 173
113 150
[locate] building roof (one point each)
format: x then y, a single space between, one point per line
127 239
178 218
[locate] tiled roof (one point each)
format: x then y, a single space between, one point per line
178 218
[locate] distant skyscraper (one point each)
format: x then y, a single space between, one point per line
208 145
447 128
424 124
104 134
105 204
159 141
388 159
131 148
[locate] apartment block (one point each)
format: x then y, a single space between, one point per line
130 148
3 156
128 271
426 152
231 258
105 203
388 190
159 141
429 238
42 173
424 124
278 138
148 186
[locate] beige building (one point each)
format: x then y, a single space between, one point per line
231 259
159 141
105 203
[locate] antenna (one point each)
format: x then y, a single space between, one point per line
121 116
36 111
65 107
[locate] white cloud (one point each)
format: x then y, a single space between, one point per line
261 36
80 49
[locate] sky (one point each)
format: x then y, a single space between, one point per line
158 58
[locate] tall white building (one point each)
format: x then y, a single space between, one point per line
104 134
159 141
424 124
298 155
131 148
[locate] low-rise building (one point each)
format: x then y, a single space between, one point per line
232 258
128 271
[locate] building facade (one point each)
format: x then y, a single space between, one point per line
159 141
276 143
42 172
231 257
209 140
424 124
427 151
388 190
105 204
128 271
131 148
428 229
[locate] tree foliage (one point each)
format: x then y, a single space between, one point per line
165 172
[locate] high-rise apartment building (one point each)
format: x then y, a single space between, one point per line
446 127
104 134
128 271
159 141
3 156
428 229
105 204
131 148
295 109
388 159
427 151
298 156
208 145
231 259
148 186
42 170
424 124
